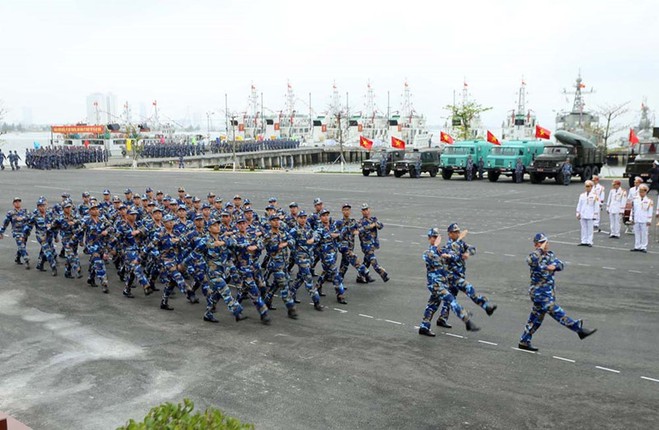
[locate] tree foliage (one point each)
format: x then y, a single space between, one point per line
465 113
610 113
181 417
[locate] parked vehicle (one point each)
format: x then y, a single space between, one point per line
647 151
417 162
455 156
502 160
374 163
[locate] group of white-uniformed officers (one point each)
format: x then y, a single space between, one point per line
212 244
633 207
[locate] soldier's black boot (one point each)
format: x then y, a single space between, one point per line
471 326
269 305
292 313
241 317
53 271
317 306
341 299
265 319
369 279
527 347
165 306
27 264
426 332
441 322
18 259
208 316
152 285
489 309
385 277
584 333
127 293
361 280
105 288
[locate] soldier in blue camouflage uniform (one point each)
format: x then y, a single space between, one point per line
196 267
278 244
368 237
130 235
436 275
214 251
348 228
304 244
17 217
244 246
96 230
68 225
327 248
459 251
543 264
43 223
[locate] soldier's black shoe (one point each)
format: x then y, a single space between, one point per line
91 282
270 306
527 347
105 289
584 333
317 306
68 275
192 298
369 279
40 268
165 306
148 291
265 319
18 260
361 280
471 326
385 277
153 287
128 294
489 309
441 322
61 253
54 271
210 318
426 332
296 301
292 314
341 300
320 293
79 275
27 264
241 317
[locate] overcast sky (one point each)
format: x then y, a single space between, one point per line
189 54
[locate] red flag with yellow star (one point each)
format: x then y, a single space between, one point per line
365 143
445 137
633 138
397 143
542 133
492 138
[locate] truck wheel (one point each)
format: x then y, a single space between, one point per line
493 176
559 178
433 172
366 172
386 173
379 172
586 174
535 178
447 173
398 173
596 170
413 173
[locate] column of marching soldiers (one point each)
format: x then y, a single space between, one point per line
191 246
63 157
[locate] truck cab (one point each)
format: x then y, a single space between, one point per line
378 159
503 159
647 151
418 161
455 156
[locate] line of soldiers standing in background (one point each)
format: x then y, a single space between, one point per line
156 237
64 157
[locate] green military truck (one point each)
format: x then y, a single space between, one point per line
374 163
586 158
455 156
418 161
646 151
502 160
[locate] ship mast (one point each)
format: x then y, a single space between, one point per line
521 103
335 101
407 109
253 106
579 103
369 104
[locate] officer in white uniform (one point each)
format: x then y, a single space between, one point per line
586 208
631 194
599 190
615 206
641 217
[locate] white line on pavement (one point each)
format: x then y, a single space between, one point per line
488 343
488 252
523 350
509 255
365 316
649 379
454 335
636 271
563 359
582 264
609 268
607 369
394 322
51 188
340 310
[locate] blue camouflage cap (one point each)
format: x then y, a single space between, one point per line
301 214
195 199
293 205
218 200
270 207
85 194
106 192
317 201
67 204
241 219
433 232
156 209
133 211
66 195
540 238
225 213
168 218
273 217
41 202
128 191
210 195
453 227
272 199
324 211
248 210
144 197
198 217
246 202
148 190
206 206
17 199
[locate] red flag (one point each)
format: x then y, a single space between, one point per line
445 137
397 143
492 138
633 138
542 133
365 143
86 144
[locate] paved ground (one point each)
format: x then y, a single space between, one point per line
75 358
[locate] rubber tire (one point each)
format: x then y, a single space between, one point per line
366 172
587 174
447 173
413 173
433 172
559 178
398 174
493 176
596 170
378 171
535 178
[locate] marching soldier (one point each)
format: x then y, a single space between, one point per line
18 218
368 237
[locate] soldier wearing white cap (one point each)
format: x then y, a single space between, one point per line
586 208
615 207
599 191
641 217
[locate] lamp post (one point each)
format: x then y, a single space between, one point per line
233 134
208 125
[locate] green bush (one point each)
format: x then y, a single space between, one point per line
181 417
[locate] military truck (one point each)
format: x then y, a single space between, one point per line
646 151
418 161
374 162
455 156
502 160
586 158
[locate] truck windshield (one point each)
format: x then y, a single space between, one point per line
555 150
457 150
377 157
502 150
647 148
412 156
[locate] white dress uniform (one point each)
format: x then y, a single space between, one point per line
641 217
632 194
601 194
615 206
586 208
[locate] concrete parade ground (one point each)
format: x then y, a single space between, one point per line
74 358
